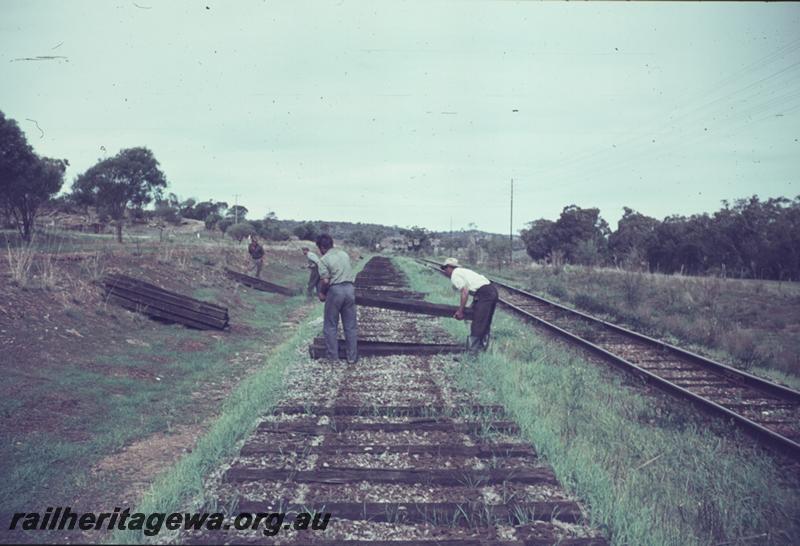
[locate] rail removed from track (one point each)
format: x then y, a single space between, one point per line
394 452
768 411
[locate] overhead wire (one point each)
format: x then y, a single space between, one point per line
680 138
648 134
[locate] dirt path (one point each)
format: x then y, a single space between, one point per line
395 453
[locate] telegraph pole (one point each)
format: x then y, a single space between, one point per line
451 236
511 228
236 209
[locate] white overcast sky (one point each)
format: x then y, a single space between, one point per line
418 112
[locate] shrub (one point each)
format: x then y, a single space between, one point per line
556 289
592 304
556 261
744 346
240 231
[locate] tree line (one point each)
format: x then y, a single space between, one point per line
130 179
749 238
118 188
122 187
27 180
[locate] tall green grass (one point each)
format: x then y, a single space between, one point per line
650 470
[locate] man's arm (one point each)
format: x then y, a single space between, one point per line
324 284
459 314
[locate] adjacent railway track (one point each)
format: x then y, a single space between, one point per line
767 411
395 453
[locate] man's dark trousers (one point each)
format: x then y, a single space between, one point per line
483 303
341 300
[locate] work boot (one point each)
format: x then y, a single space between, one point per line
473 345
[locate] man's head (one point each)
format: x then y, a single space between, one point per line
324 243
254 237
449 265
305 250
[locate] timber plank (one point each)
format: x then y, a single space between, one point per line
308 540
446 477
383 348
481 451
417 425
476 514
411 306
380 293
398 411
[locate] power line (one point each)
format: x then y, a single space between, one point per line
679 139
649 133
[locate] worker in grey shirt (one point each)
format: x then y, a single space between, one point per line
338 292
313 272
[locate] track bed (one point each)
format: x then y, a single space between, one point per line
395 454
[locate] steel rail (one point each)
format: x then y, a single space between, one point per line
740 378
729 371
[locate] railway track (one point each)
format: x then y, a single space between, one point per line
765 410
395 453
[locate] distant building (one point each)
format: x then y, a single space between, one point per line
396 243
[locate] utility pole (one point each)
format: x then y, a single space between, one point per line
511 228
236 209
451 236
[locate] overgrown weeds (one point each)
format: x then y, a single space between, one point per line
94 266
32 263
704 315
20 262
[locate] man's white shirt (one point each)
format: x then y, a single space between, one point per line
462 277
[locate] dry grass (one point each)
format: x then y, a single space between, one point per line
94 266
48 272
20 263
31 264
753 325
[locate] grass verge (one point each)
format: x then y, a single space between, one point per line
650 470
749 324
183 483
138 391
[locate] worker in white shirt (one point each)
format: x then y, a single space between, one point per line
484 300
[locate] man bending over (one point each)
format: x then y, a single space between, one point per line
484 300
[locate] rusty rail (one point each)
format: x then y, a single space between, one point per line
748 401
260 284
143 297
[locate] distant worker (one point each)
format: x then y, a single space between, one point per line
256 254
336 289
313 273
484 300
